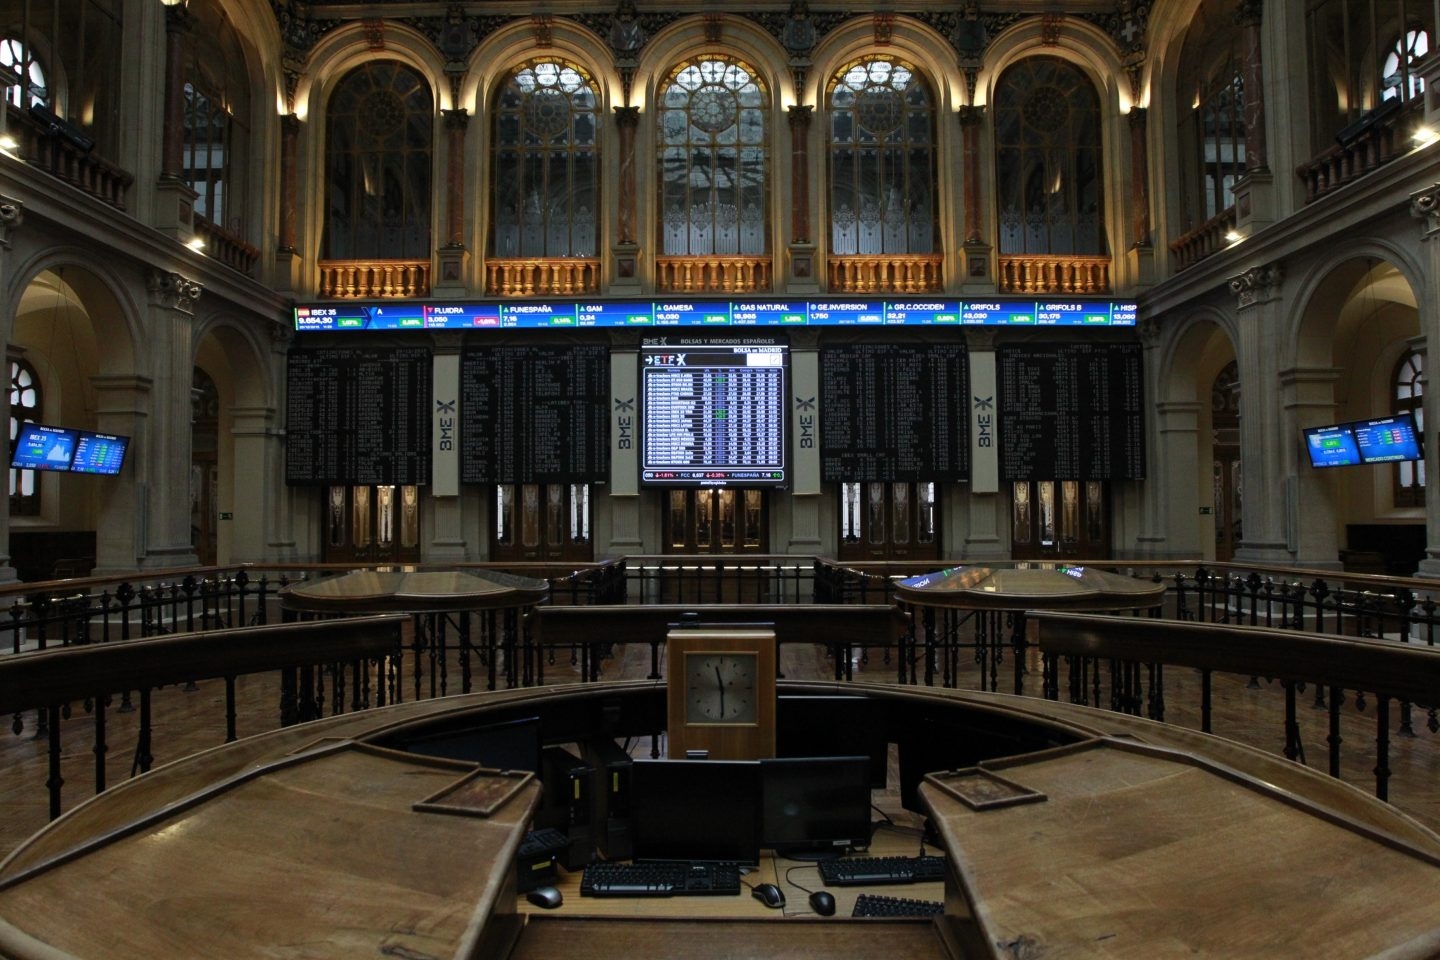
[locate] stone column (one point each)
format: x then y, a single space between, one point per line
1172 499
802 245
1254 191
167 450
626 251
1308 400
12 214
975 270
452 251
123 503
175 200
1266 494
259 456
1425 206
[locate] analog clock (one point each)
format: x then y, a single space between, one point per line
720 688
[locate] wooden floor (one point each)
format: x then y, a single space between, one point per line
187 721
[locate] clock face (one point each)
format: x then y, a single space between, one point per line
720 688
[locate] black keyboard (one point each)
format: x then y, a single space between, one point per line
659 879
876 871
874 905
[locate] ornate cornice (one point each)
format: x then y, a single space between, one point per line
1256 285
12 214
1425 206
173 291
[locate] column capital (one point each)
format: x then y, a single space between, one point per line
800 115
971 116
456 119
1138 117
1425 206
173 291
1256 285
627 117
12 214
1248 13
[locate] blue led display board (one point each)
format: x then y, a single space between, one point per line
650 314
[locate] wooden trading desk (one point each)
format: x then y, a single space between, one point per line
796 878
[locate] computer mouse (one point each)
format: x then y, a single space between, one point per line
547 897
823 903
769 894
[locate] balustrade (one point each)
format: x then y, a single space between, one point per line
48 148
224 247
713 274
542 277
374 279
1054 274
1208 238
1366 145
903 273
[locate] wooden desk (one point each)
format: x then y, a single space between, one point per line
796 879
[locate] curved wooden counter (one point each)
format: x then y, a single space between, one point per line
313 830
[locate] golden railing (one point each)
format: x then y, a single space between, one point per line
901 273
541 277
374 279
1054 274
713 274
1204 240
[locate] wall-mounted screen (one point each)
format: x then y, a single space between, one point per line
99 453
713 412
39 447
1388 439
1332 446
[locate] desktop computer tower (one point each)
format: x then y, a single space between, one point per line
566 803
611 792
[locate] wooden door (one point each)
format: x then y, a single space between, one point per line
719 520
888 521
1060 520
541 522
372 524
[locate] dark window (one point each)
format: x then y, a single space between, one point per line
26 406
1408 396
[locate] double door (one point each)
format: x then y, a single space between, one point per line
541 522
717 520
372 524
888 521
1060 520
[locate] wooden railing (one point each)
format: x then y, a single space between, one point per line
541 277
1204 240
226 248
1366 145
713 274
902 273
1054 274
48 148
48 681
1135 651
374 279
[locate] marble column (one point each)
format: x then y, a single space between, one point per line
1248 16
1425 207
289 182
626 251
174 198
1139 179
799 117
970 120
456 122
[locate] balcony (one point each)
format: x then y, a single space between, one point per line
1378 137
713 274
374 279
64 152
540 277
1054 273
900 273
1204 240
225 247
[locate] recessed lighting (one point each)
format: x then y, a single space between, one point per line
1233 236
1424 136
9 144
196 243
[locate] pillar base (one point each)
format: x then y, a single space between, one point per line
625 258
802 269
450 273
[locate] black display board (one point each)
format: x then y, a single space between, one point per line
535 414
1071 411
358 415
894 412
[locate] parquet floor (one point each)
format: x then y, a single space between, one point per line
187 721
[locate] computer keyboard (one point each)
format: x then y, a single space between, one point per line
659 879
877 871
874 905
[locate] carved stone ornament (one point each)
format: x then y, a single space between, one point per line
174 291
1425 206
1256 284
12 214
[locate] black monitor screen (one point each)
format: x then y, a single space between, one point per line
1388 439
815 806
504 745
102 453
838 726
696 810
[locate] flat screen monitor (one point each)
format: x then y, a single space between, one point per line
815 807
696 810
714 412
99 453
503 745
1332 446
1388 439
39 447
834 726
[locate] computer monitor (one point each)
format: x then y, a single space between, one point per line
502 745
834 726
40 447
814 807
1332 446
696 810
1388 439
99 453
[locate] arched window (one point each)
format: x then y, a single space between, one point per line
29 85
1397 76
1407 396
377 163
881 160
714 159
1220 135
1048 162
26 406
216 117
545 163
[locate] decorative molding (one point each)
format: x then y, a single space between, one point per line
12 215
544 28
1256 285
173 291
714 27
971 116
884 26
1050 24
374 33
1425 206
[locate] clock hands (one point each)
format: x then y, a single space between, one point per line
720 682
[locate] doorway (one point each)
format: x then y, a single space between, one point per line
888 521
1060 520
531 522
372 524
717 520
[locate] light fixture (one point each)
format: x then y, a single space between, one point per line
196 243
1424 135
1233 236
9 144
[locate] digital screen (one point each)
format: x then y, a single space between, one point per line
834 726
713 412
1332 446
1388 439
814 806
38 447
575 314
102 453
696 810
